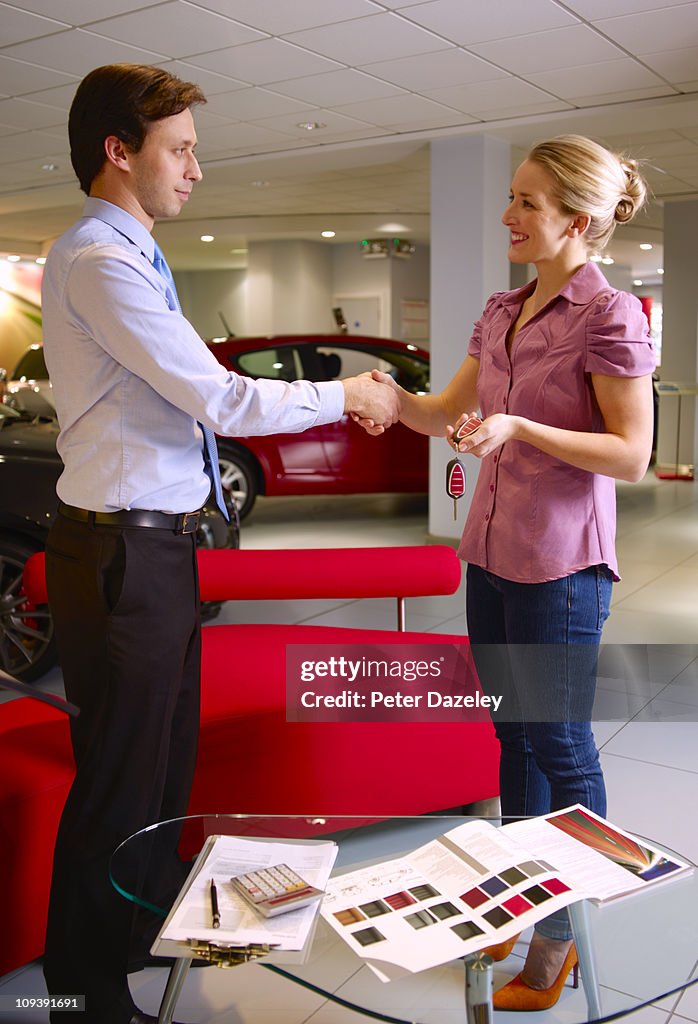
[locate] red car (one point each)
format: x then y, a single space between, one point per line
340 458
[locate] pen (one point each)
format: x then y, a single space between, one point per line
215 913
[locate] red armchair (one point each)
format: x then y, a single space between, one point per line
250 758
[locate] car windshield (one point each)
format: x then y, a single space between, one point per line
32 365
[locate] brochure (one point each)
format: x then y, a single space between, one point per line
478 884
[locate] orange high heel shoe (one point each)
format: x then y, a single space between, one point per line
518 996
501 950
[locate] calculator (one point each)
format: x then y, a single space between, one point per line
275 890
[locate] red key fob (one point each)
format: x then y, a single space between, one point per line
469 427
455 482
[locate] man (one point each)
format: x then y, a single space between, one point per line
134 388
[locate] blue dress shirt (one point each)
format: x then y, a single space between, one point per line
131 377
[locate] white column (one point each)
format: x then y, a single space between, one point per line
289 288
679 332
470 180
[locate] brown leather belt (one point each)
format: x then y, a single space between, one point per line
185 522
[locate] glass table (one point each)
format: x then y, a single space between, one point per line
633 951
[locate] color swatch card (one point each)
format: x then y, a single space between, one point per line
478 884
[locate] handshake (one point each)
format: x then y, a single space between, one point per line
374 404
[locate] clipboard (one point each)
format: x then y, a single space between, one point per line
230 946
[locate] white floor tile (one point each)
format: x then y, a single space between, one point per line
652 800
687 1005
671 744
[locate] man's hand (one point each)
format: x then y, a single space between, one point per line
375 404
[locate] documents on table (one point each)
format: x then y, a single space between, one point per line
224 857
478 884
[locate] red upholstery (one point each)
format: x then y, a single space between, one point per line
333 572
251 759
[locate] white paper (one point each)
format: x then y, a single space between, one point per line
228 856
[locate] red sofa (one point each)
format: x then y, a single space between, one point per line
250 758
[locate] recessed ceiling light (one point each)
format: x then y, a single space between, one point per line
14 259
49 167
645 245
595 259
310 126
393 228
328 234
608 260
238 252
412 348
660 270
207 238
258 183
637 282
40 260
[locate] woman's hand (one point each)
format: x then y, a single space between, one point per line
490 435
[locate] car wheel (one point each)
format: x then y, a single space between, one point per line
27 648
239 478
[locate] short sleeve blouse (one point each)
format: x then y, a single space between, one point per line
534 517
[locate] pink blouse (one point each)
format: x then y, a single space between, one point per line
533 517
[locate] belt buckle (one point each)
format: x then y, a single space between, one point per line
190 522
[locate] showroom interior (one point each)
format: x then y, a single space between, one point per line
357 156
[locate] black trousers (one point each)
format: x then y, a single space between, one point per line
126 611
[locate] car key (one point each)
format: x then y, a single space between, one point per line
455 482
467 428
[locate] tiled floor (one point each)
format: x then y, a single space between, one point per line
649 741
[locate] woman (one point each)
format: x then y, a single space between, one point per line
561 372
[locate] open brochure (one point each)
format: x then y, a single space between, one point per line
222 858
478 884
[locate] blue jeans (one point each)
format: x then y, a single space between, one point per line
545 765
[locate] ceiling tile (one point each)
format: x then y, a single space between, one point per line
81 12
61 97
189 29
252 103
620 96
265 61
541 51
27 145
401 110
332 120
17 77
652 31
380 37
435 70
674 65
77 51
592 10
336 87
595 79
234 137
281 18
16 26
467 23
23 114
490 96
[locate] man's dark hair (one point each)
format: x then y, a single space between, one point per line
121 100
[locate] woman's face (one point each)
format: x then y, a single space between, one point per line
539 231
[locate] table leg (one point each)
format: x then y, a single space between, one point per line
579 919
175 981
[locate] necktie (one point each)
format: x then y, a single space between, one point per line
210 446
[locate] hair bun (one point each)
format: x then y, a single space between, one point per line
635 191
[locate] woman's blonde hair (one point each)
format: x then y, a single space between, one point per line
591 180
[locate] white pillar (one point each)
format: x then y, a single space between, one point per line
679 332
289 288
470 181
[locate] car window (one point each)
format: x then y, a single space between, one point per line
32 366
273 363
332 362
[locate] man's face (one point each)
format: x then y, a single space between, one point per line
163 172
